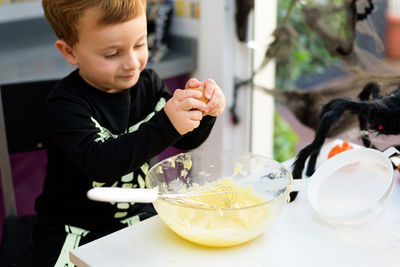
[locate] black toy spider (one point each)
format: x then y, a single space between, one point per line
380 115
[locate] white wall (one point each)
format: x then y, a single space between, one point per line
216 60
263 105
222 57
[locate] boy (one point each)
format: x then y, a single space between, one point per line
107 119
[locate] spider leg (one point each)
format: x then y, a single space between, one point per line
311 162
331 113
371 89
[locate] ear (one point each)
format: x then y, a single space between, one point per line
67 51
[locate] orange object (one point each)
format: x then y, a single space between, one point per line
339 148
392 44
201 89
398 169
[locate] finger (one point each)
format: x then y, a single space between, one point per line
209 88
201 98
192 103
199 105
195 124
211 106
190 125
193 82
183 94
196 115
217 104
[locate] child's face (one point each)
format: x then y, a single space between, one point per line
111 57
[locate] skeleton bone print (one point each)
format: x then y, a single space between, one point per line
130 180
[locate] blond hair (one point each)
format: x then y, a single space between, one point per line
64 15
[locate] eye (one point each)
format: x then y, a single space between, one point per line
112 55
140 45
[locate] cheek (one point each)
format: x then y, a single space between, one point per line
143 58
103 67
106 67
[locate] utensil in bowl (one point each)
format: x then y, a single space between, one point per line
223 193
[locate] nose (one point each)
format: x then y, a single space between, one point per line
131 61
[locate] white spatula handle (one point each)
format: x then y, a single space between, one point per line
118 194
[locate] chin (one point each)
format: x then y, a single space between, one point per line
124 84
129 85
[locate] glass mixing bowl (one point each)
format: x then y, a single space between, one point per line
220 226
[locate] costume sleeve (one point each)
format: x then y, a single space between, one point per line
195 138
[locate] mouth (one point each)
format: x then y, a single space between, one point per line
127 77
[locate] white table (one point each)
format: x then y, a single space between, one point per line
297 238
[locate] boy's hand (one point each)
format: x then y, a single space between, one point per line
184 110
213 95
194 84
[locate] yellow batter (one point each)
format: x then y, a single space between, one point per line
224 194
220 227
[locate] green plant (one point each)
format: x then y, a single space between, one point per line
285 139
309 55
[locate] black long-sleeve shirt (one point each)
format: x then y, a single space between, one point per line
102 139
